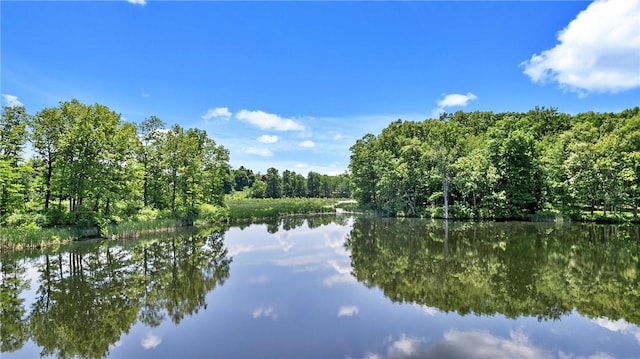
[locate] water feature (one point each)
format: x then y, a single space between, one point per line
332 286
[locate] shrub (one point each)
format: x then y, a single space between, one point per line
22 219
147 214
84 218
211 213
56 216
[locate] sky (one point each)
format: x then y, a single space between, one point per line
293 85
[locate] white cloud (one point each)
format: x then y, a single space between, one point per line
151 341
306 144
145 95
268 121
348 311
599 51
266 313
337 137
267 139
456 99
11 101
264 152
219 113
137 2
452 100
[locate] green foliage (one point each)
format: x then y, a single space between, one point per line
259 189
209 213
505 165
91 169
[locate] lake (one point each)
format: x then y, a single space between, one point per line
334 286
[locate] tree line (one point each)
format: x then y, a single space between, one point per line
290 184
501 165
88 166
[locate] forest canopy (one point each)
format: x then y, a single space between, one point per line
501 165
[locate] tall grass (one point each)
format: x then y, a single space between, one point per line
18 238
248 208
152 221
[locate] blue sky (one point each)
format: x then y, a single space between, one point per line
294 84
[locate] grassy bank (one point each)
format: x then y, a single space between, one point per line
30 237
253 208
237 207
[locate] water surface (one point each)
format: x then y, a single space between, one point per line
332 287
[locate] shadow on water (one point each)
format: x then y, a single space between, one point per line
514 268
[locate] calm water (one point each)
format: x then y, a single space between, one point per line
332 287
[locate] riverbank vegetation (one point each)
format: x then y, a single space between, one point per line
80 170
540 164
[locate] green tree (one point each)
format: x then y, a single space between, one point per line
582 170
288 183
243 178
259 189
441 151
274 183
13 137
476 179
49 127
514 154
363 168
313 184
300 185
148 154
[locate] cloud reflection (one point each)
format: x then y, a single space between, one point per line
620 326
335 241
151 341
284 240
430 311
458 345
343 276
248 248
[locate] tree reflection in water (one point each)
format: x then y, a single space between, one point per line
90 296
515 269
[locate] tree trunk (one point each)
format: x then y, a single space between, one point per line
173 194
47 193
146 186
445 189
